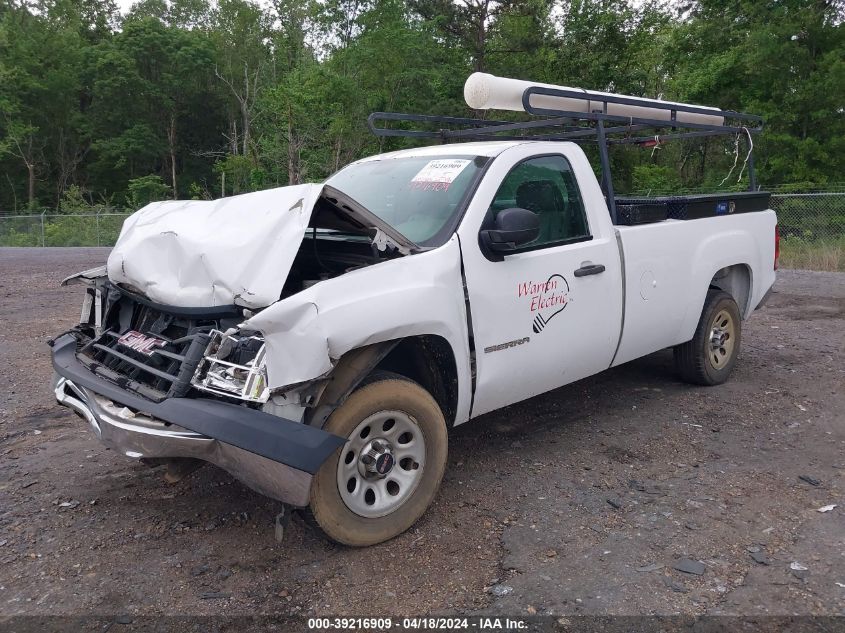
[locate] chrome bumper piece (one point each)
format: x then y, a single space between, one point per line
138 435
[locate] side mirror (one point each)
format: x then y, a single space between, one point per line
513 228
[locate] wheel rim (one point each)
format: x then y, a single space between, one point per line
722 339
381 464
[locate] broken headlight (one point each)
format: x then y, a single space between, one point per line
233 366
92 306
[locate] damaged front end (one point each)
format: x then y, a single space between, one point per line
164 363
158 382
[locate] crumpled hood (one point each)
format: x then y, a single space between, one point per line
198 253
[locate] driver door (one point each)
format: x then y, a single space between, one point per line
549 313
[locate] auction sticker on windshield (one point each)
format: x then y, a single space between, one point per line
439 174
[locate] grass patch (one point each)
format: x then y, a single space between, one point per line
819 254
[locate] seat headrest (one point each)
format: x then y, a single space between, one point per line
539 196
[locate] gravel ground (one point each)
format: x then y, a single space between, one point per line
581 501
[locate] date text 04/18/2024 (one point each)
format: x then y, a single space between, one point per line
417 624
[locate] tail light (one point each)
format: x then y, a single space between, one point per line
777 246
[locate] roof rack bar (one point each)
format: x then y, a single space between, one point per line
605 125
606 176
423 118
572 133
597 118
493 128
483 129
639 140
651 104
517 137
653 123
589 131
435 118
520 125
487 129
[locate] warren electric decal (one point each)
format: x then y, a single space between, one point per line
545 299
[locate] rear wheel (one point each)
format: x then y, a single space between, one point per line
390 468
710 356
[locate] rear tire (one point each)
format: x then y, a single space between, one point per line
709 358
394 425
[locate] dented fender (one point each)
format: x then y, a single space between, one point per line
307 333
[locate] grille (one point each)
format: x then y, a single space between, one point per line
162 368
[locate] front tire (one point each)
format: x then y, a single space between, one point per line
709 358
388 472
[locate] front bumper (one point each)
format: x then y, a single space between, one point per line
272 455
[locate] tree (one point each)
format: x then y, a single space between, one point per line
783 59
240 30
277 92
141 191
472 24
40 57
148 83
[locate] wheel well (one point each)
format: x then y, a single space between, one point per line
429 361
736 281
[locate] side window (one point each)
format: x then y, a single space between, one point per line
546 186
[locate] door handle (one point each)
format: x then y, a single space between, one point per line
590 269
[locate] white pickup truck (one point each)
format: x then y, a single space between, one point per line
318 341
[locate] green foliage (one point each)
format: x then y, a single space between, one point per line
146 189
782 59
20 231
811 218
197 192
95 228
177 94
239 174
656 178
73 201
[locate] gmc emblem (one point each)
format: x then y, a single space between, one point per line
140 342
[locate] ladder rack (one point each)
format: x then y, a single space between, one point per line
594 125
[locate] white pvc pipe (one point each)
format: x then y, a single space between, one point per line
488 92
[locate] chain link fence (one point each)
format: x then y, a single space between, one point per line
812 229
810 216
52 229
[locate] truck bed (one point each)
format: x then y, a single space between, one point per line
644 210
669 267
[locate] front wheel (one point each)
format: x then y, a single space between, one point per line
710 356
390 468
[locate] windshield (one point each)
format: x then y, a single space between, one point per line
420 196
